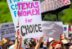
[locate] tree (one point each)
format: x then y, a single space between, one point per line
67 17
5 15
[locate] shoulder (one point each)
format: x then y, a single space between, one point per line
11 47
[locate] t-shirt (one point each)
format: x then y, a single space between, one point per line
11 47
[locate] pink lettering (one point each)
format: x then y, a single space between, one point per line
27 5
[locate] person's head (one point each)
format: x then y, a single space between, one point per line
30 42
70 47
62 36
5 40
57 45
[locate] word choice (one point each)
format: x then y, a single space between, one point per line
30 29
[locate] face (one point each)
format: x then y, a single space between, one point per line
70 47
58 46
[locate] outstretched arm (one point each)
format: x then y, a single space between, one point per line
38 43
18 44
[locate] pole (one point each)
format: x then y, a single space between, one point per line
57 17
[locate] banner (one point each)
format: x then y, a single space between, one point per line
30 19
7 30
49 5
53 29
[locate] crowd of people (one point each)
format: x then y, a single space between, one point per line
31 43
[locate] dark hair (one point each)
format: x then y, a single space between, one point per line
31 42
41 45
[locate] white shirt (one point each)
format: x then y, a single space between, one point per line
11 47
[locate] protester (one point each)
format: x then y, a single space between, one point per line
31 43
5 42
56 45
63 39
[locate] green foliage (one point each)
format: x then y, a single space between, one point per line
50 17
64 16
67 17
5 15
2 0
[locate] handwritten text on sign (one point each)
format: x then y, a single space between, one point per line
28 8
30 29
13 6
30 18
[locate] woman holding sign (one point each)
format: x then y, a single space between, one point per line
31 44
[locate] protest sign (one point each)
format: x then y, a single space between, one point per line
53 29
7 30
30 19
14 11
49 5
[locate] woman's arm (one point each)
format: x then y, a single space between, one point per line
16 43
38 43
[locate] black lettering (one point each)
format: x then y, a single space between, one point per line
23 30
30 29
39 26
